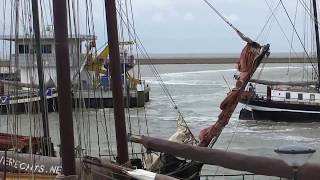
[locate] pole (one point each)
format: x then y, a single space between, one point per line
295 173
43 100
316 27
117 90
64 87
16 59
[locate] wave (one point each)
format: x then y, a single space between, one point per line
186 82
220 70
297 138
197 72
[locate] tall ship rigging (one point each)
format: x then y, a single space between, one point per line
23 155
297 100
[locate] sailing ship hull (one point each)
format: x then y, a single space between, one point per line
257 109
22 166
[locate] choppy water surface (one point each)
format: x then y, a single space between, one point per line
198 91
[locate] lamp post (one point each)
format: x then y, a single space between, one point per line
295 156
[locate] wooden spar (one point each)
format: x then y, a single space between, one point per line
64 87
43 100
16 47
258 165
116 81
316 27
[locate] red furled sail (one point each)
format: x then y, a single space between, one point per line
19 143
250 58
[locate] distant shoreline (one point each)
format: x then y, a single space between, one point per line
230 58
216 60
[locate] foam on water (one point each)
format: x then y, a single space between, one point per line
296 138
199 93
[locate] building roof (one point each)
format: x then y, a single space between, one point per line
46 37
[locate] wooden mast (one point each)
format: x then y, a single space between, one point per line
43 100
316 27
117 90
64 87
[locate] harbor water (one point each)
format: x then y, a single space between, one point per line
197 91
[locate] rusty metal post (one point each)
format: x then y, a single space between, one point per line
117 90
64 87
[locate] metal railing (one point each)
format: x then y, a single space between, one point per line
263 97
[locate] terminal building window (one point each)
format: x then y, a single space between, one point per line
46 49
23 49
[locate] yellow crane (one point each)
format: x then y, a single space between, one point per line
96 64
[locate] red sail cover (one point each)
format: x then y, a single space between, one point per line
250 58
21 143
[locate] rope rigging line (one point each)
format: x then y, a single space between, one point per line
143 51
134 37
299 38
268 29
293 24
273 14
292 36
273 11
242 36
124 33
16 63
309 11
71 12
220 15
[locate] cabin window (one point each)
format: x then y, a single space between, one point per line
46 49
287 95
23 49
300 96
312 97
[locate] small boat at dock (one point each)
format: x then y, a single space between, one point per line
94 90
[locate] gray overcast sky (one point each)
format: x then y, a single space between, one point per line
190 26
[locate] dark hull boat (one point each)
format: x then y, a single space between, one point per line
259 109
283 101
288 101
